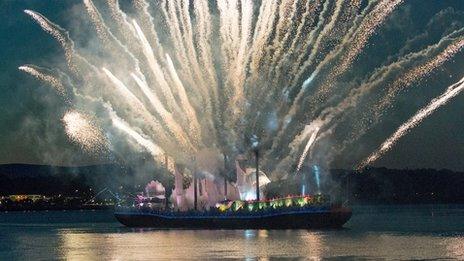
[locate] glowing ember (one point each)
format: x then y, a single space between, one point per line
81 130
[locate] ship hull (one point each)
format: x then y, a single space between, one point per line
300 219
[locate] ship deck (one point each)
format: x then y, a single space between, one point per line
308 217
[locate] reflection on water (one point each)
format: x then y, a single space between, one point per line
248 244
374 232
262 244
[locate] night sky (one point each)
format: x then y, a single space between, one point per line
30 112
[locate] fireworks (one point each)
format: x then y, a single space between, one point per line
154 149
423 113
306 149
54 82
80 129
420 71
57 33
204 75
365 31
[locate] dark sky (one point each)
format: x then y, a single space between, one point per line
30 112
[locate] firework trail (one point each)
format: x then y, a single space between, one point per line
308 134
111 43
167 117
97 20
263 30
230 36
140 109
306 149
229 28
235 67
54 82
408 78
59 34
405 80
364 25
312 36
237 71
130 97
183 9
297 101
422 114
260 88
284 30
120 17
123 126
365 31
356 43
419 72
245 33
185 103
308 18
205 59
174 30
278 46
156 69
81 130
233 15
349 21
148 24
185 59
342 111
317 41
331 39
174 15
203 33
188 58
124 26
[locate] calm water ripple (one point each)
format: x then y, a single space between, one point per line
375 232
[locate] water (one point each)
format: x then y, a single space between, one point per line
389 232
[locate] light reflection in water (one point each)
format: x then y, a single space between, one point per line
313 241
375 232
169 244
249 233
252 245
456 247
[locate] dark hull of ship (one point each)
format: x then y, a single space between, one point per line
295 219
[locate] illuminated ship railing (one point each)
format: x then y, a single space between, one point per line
278 203
244 208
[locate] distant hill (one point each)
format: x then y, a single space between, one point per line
382 185
373 185
52 180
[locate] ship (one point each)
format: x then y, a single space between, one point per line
300 212
291 212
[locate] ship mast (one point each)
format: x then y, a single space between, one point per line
166 164
195 196
255 146
257 172
225 176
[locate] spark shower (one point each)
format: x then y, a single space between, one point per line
178 77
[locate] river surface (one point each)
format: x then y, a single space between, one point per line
374 232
